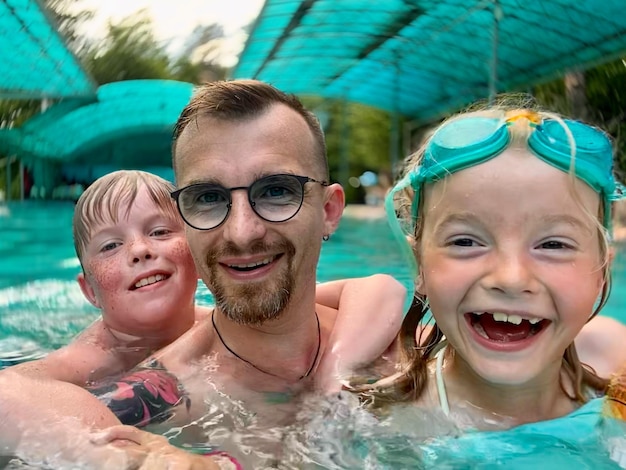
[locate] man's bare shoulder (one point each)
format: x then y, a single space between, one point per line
602 345
190 347
327 317
148 394
202 312
156 390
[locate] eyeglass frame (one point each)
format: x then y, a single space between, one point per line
301 179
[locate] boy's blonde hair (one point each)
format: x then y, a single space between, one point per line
101 202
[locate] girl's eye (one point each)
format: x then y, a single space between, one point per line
463 242
553 245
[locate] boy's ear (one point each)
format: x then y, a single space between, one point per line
87 291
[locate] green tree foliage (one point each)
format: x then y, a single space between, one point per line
605 94
128 52
197 62
69 16
357 138
14 112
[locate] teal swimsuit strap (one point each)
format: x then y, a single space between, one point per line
441 386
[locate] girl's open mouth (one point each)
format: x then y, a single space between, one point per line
496 326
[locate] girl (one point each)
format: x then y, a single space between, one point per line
509 217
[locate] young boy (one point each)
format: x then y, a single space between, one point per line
137 269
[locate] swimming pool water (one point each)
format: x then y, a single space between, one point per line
43 308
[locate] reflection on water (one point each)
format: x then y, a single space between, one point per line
40 316
337 433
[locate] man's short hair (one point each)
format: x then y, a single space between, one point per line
238 100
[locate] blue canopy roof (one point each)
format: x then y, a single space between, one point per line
35 60
129 123
424 58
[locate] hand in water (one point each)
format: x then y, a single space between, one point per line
147 451
615 417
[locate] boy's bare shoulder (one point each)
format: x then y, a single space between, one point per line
97 335
74 363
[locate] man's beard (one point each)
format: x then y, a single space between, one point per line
253 303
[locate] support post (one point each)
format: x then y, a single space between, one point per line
344 164
493 68
21 180
394 131
8 185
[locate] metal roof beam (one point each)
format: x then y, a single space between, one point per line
300 13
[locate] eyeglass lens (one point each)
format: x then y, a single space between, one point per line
275 198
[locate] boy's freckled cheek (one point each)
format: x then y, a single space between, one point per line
106 277
182 251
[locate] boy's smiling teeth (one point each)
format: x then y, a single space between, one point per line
256 264
149 280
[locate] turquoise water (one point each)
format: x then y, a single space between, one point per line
42 308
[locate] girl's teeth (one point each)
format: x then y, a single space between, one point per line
515 319
500 316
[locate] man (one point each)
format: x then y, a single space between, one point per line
250 162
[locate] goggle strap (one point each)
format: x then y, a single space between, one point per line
400 236
619 193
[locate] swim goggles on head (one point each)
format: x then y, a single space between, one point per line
473 139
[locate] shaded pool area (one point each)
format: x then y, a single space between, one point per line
43 308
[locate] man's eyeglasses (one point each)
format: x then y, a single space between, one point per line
274 198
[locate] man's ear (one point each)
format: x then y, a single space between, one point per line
333 207
87 291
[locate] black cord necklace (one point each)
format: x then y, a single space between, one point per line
319 344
